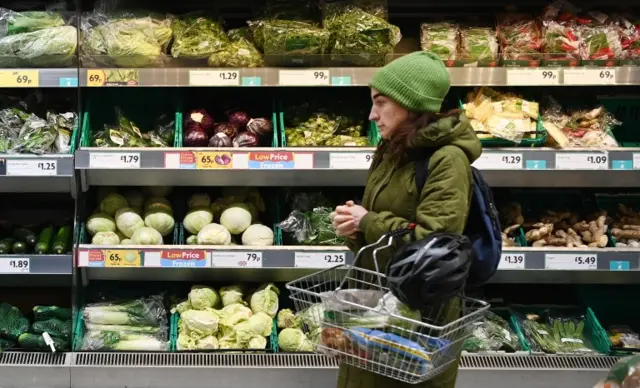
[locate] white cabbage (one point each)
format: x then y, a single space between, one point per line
214 234
161 221
128 221
112 203
196 219
147 236
199 200
105 238
257 235
100 222
236 219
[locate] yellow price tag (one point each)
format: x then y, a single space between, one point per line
96 77
122 258
207 160
20 79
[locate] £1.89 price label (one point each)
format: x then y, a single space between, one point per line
319 259
236 259
512 261
11 265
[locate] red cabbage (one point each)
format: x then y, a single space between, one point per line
246 139
220 140
196 138
260 126
238 118
201 117
226 128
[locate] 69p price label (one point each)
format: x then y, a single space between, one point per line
512 261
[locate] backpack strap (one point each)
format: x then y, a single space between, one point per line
422 169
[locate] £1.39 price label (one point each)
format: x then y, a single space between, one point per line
122 258
319 259
236 259
512 261
575 262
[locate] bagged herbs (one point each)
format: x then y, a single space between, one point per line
240 53
289 37
440 39
197 37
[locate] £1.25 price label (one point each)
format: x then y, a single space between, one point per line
575 262
122 258
512 261
319 259
582 161
350 160
32 167
18 265
236 259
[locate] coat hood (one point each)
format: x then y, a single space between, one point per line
451 130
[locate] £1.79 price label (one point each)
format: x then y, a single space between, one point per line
114 160
319 259
575 262
236 259
512 261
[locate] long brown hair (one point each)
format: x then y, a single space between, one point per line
403 139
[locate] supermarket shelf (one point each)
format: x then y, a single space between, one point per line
37 173
44 78
502 167
31 264
34 369
355 76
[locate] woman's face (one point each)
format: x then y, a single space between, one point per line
387 114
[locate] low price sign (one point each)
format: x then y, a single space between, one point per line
183 259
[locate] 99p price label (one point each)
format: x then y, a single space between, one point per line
319 259
512 261
350 160
311 77
533 77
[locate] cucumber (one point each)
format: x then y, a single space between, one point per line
44 241
18 247
61 241
5 245
25 235
36 342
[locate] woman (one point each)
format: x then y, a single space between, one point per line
407 95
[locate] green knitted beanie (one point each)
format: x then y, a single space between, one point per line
418 81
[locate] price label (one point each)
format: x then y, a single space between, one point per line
122 258
96 77
571 261
581 161
350 160
20 79
208 160
236 259
319 259
214 78
586 76
20 167
636 161
512 261
311 77
114 160
499 161
533 77
21 265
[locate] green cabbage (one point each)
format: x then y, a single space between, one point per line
202 297
257 235
196 219
287 319
231 295
112 203
105 238
147 236
257 342
199 323
100 222
214 234
265 300
128 221
294 340
261 324
161 221
236 219
199 200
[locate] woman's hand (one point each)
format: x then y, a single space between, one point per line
346 219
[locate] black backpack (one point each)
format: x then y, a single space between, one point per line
483 226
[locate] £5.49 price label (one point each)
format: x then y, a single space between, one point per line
236 259
575 262
350 160
11 265
122 258
319 259
512 261
581 161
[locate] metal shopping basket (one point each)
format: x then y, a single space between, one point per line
355 318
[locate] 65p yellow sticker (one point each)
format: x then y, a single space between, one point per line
122 258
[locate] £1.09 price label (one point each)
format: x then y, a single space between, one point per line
512 261
581 161
319 259
236 259
11 265
575 262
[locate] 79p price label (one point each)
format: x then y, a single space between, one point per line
236 259
319 259
512 261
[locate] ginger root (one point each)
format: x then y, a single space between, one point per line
508 241
595 234
541 231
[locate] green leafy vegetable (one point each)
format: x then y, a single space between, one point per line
48 47
239 53
197 37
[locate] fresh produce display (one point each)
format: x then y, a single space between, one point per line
289 37
450 42
361 37
306 127
229 220
441 39
125 133
553 331
36 39
309 222
623 374
520 39
16 331
626 227
478 44
41 240
239 130
501 115
240 52
493 333
197 37
131 218
584 128
622 336
212 320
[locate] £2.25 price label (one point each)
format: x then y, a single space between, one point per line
236 259
575 262
11 265
512 261
319 259
122 258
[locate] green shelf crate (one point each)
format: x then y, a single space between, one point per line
272 341
609 203
142 106
593 332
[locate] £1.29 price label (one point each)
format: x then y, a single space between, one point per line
575 262
512 261
319 259
236 259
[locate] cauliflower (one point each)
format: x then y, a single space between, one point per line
214 234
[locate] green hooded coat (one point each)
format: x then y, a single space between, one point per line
393 202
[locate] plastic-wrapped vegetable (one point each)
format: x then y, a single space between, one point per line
29 21
492 333
312 228
359 37
600 42
197 37
240 53
562 40
624 374
324 129
288 37
36 136
440 39
520 39
569 327
48 47
147 311
12 322
122 341
478 44
240 33
630 38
